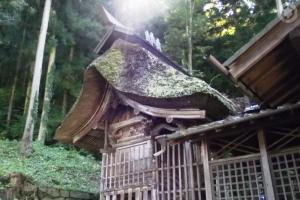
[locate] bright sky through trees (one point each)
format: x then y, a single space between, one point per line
136 13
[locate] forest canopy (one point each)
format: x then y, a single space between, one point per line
189 30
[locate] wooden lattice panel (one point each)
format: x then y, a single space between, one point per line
130 166
180 172
286 174
238 178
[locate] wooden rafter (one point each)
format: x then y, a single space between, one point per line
291 134
236 145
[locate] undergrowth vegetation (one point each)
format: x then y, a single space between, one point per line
51 167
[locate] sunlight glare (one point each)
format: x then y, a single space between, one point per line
137 13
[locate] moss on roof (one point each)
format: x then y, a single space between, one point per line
133 69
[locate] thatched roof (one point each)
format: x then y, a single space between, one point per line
133 69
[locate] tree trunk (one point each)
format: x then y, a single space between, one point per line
28 90
15 82
66 92
47 97
65 102
279 7
26 145
189 33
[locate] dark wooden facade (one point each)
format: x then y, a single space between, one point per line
158 144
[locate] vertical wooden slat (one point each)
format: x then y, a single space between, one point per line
122 168
174 171
144 163
122 195
106 169
243 179
138 194
256 178
180 175
185 172
168 172
133 158
281 178
207 178
140 164
249 175
114 197
189 159
129 194
145 195
115 170
224 181
162 176
129 166
289 177
198 170
218 181
265 165
237 182
102 182
296 171
156 174
154 194
110 170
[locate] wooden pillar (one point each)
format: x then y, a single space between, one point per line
265 166
205 161
189 160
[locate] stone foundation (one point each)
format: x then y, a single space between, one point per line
20 188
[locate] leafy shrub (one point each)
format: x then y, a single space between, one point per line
51 167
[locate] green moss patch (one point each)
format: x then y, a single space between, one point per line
109 65
133 69
51 167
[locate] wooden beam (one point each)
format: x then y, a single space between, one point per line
114 127
165 113
265 165
218 65
205 160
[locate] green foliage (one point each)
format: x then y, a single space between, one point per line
220 27
3 109
51 167
73 24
